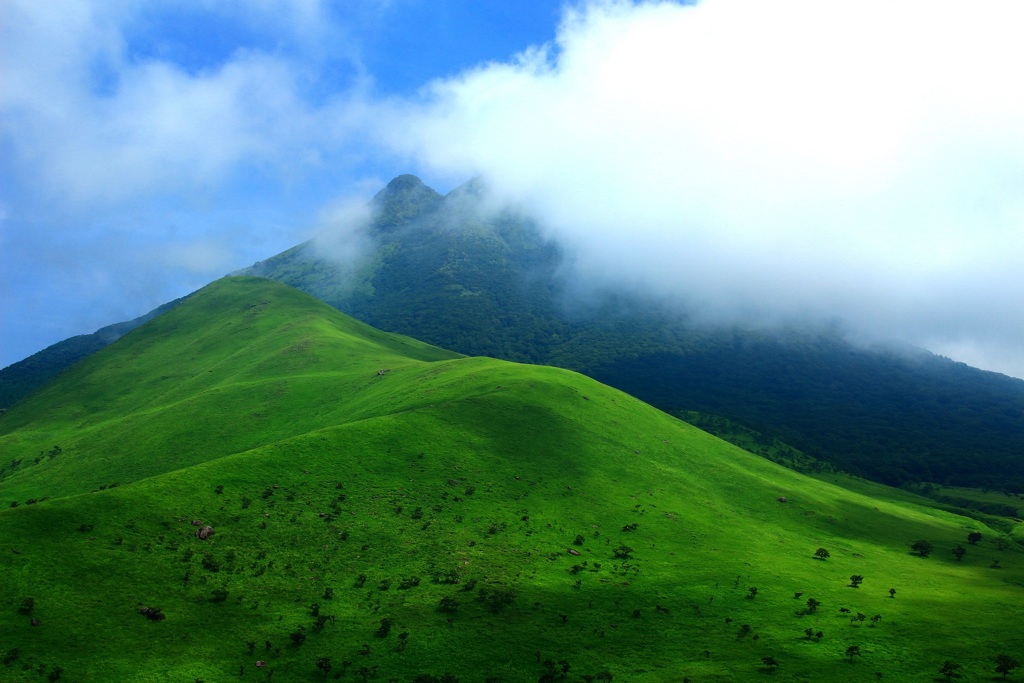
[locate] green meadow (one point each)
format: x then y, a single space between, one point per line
383 510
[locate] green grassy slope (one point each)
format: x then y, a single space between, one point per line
179 391
418 523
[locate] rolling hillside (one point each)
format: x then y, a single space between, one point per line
386 510
452 271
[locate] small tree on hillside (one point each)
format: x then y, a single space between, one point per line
1005 664
950 670
812 605
324 664
770 662
856 580
853 651
922 548
974 537
622 552
822 554
959 552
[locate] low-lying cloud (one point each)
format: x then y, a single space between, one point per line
768 159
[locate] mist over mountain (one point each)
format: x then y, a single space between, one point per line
464 272
467 272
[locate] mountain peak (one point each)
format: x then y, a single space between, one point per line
405 198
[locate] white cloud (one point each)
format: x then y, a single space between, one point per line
861 159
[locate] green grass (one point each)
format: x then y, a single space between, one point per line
469 473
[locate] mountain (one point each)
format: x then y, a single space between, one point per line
456 272
382 509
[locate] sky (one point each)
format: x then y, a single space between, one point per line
756 160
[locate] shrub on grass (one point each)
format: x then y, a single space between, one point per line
622 552
770 662
853 651
856 580
409 582
496 599
324 664
1005 664
385 627
921 547
822 554
974 537
959 552
812 605
950 670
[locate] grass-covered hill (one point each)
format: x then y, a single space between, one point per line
22 378
449 519
452 271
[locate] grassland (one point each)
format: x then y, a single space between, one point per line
417 525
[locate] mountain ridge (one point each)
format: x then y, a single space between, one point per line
460 274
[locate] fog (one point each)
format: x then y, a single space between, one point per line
765 161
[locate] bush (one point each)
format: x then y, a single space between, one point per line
496 599
922 548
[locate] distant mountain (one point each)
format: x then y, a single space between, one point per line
22 378
454 272
254 486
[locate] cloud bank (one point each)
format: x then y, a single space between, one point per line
769 159
758 161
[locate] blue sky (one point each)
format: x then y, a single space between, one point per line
760 161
